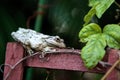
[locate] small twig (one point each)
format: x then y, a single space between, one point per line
31 17
111 69
117 4
64 51
106 64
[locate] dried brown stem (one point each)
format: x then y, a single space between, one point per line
31 17
111 69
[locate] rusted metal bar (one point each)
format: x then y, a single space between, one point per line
14 52
62 61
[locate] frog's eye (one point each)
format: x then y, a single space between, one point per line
57 39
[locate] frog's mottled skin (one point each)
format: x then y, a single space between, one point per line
33 40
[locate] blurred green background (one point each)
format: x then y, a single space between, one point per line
60 17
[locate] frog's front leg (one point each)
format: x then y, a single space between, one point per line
45 51
28 49
42 56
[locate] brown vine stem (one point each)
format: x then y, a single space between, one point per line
21 60
111 69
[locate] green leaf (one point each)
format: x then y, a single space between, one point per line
102 7
89 15
94 51
112 35
98 8
93 2
89 30
111 42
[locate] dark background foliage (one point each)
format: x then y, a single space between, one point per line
62 17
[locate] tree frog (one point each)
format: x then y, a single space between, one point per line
34 41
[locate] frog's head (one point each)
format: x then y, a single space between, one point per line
55 41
